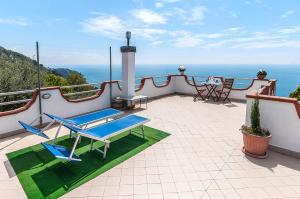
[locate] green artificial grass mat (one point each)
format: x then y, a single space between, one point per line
43 176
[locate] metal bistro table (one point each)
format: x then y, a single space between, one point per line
211 86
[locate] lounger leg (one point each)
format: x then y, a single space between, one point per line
106 146
56 135
143 131
50 124
70 136
92 142
74 146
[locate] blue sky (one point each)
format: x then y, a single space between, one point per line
164 31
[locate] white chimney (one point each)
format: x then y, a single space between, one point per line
128 68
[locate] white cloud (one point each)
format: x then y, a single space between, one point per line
233 29
159 4
148 16
187 42
287 14
269 44
170 1
107 25
150 33
290 30
111 26
197 15
211 35
217 44
16 21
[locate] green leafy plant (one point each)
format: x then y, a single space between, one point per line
262 72
255 116
18 72
255 127
296 93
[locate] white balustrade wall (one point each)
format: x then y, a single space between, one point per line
279 115
58 105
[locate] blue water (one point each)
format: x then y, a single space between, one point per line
288 76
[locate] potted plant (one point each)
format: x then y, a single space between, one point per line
181 69
261 74
256 140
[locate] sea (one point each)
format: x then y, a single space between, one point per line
287 76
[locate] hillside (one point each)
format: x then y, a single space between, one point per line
19 72
63 72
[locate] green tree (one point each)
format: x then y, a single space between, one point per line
76 79
296 93
255 117
54 80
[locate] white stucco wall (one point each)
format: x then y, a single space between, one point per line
181 86
57 105
241 94
150 90
281 119
10 122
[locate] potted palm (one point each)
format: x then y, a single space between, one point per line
256 140
261 74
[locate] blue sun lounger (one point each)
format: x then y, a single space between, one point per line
104 132
83 121
76 122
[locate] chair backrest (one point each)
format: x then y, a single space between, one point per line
195 85
194 81
228 83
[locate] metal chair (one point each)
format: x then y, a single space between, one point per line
200 92
225 90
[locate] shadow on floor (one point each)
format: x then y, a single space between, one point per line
276 159
18 136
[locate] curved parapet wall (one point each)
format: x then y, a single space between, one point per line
240 93
150 89
23 108
281 116
57 104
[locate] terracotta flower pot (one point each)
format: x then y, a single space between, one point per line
256 146
261 76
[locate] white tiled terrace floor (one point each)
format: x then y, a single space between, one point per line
201 159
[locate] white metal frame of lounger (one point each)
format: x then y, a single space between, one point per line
46 127
82 126
105 139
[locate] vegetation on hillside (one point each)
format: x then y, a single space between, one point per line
296 93
18 72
